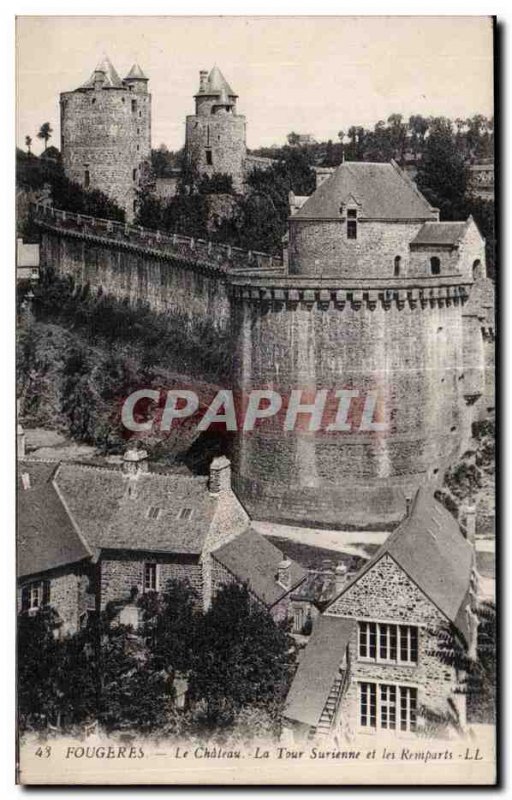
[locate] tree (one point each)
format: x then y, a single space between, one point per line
243 658
45 133
28 142
293 139
442 175
170 624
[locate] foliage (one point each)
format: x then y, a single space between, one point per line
442 175
45 133
243 658
482 687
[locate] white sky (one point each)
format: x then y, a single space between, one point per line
309 74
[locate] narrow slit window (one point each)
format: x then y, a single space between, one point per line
87 178
352 223
209 159
134 105
398 262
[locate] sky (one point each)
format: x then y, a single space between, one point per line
307 74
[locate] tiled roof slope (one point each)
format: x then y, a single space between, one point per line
136 73
382 191
113 511
430 548
318 669
440 233
252 558
46 537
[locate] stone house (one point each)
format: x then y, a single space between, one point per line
380 658
89 535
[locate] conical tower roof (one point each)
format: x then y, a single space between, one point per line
216 84
136 74
112 79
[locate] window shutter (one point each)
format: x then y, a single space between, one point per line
25 598
46 593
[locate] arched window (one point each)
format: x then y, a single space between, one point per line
398 262
435 266
477 269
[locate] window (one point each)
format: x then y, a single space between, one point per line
435 265
150 577
352 223
387 707
87 178
93 100
154 512
397 266
209 159
379 641
34 595
185 513
134 105
298 619
207 135
477 269
134 174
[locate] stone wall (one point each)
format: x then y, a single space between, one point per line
69 588
121 572
386 594
404 344
106 132
222 135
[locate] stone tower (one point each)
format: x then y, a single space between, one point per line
215 134
106 133
381 301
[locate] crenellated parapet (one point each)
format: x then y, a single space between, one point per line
313 296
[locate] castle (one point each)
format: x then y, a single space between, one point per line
374 297
106 133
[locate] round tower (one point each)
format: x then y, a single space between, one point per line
366 326
215 134
106 133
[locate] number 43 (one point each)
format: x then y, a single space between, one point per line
44 752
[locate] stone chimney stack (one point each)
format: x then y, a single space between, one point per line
284 573
135 462
203 78
469 519
220 475
340 575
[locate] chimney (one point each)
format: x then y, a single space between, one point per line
283 573
340 575
135 462
469 513
203 79
220 475
20 441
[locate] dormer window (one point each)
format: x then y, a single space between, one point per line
185 513
435 265
352 223
396 271
154 512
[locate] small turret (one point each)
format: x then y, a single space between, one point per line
136 80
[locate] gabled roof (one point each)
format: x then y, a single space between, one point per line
112 79
383 191
430 548
136 74
318 669
113 510
46 537
252 558
216 84
440 234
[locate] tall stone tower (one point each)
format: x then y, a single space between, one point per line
381 303
215 134
106 133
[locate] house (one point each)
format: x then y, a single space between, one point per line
90 535
379 658
27 261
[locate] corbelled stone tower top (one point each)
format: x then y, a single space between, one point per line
215 134
106 133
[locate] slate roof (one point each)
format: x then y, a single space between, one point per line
113 511
382 191
46 537
252 558
430 548
216 84
318 669
112 79
318 588
136 73
440 233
